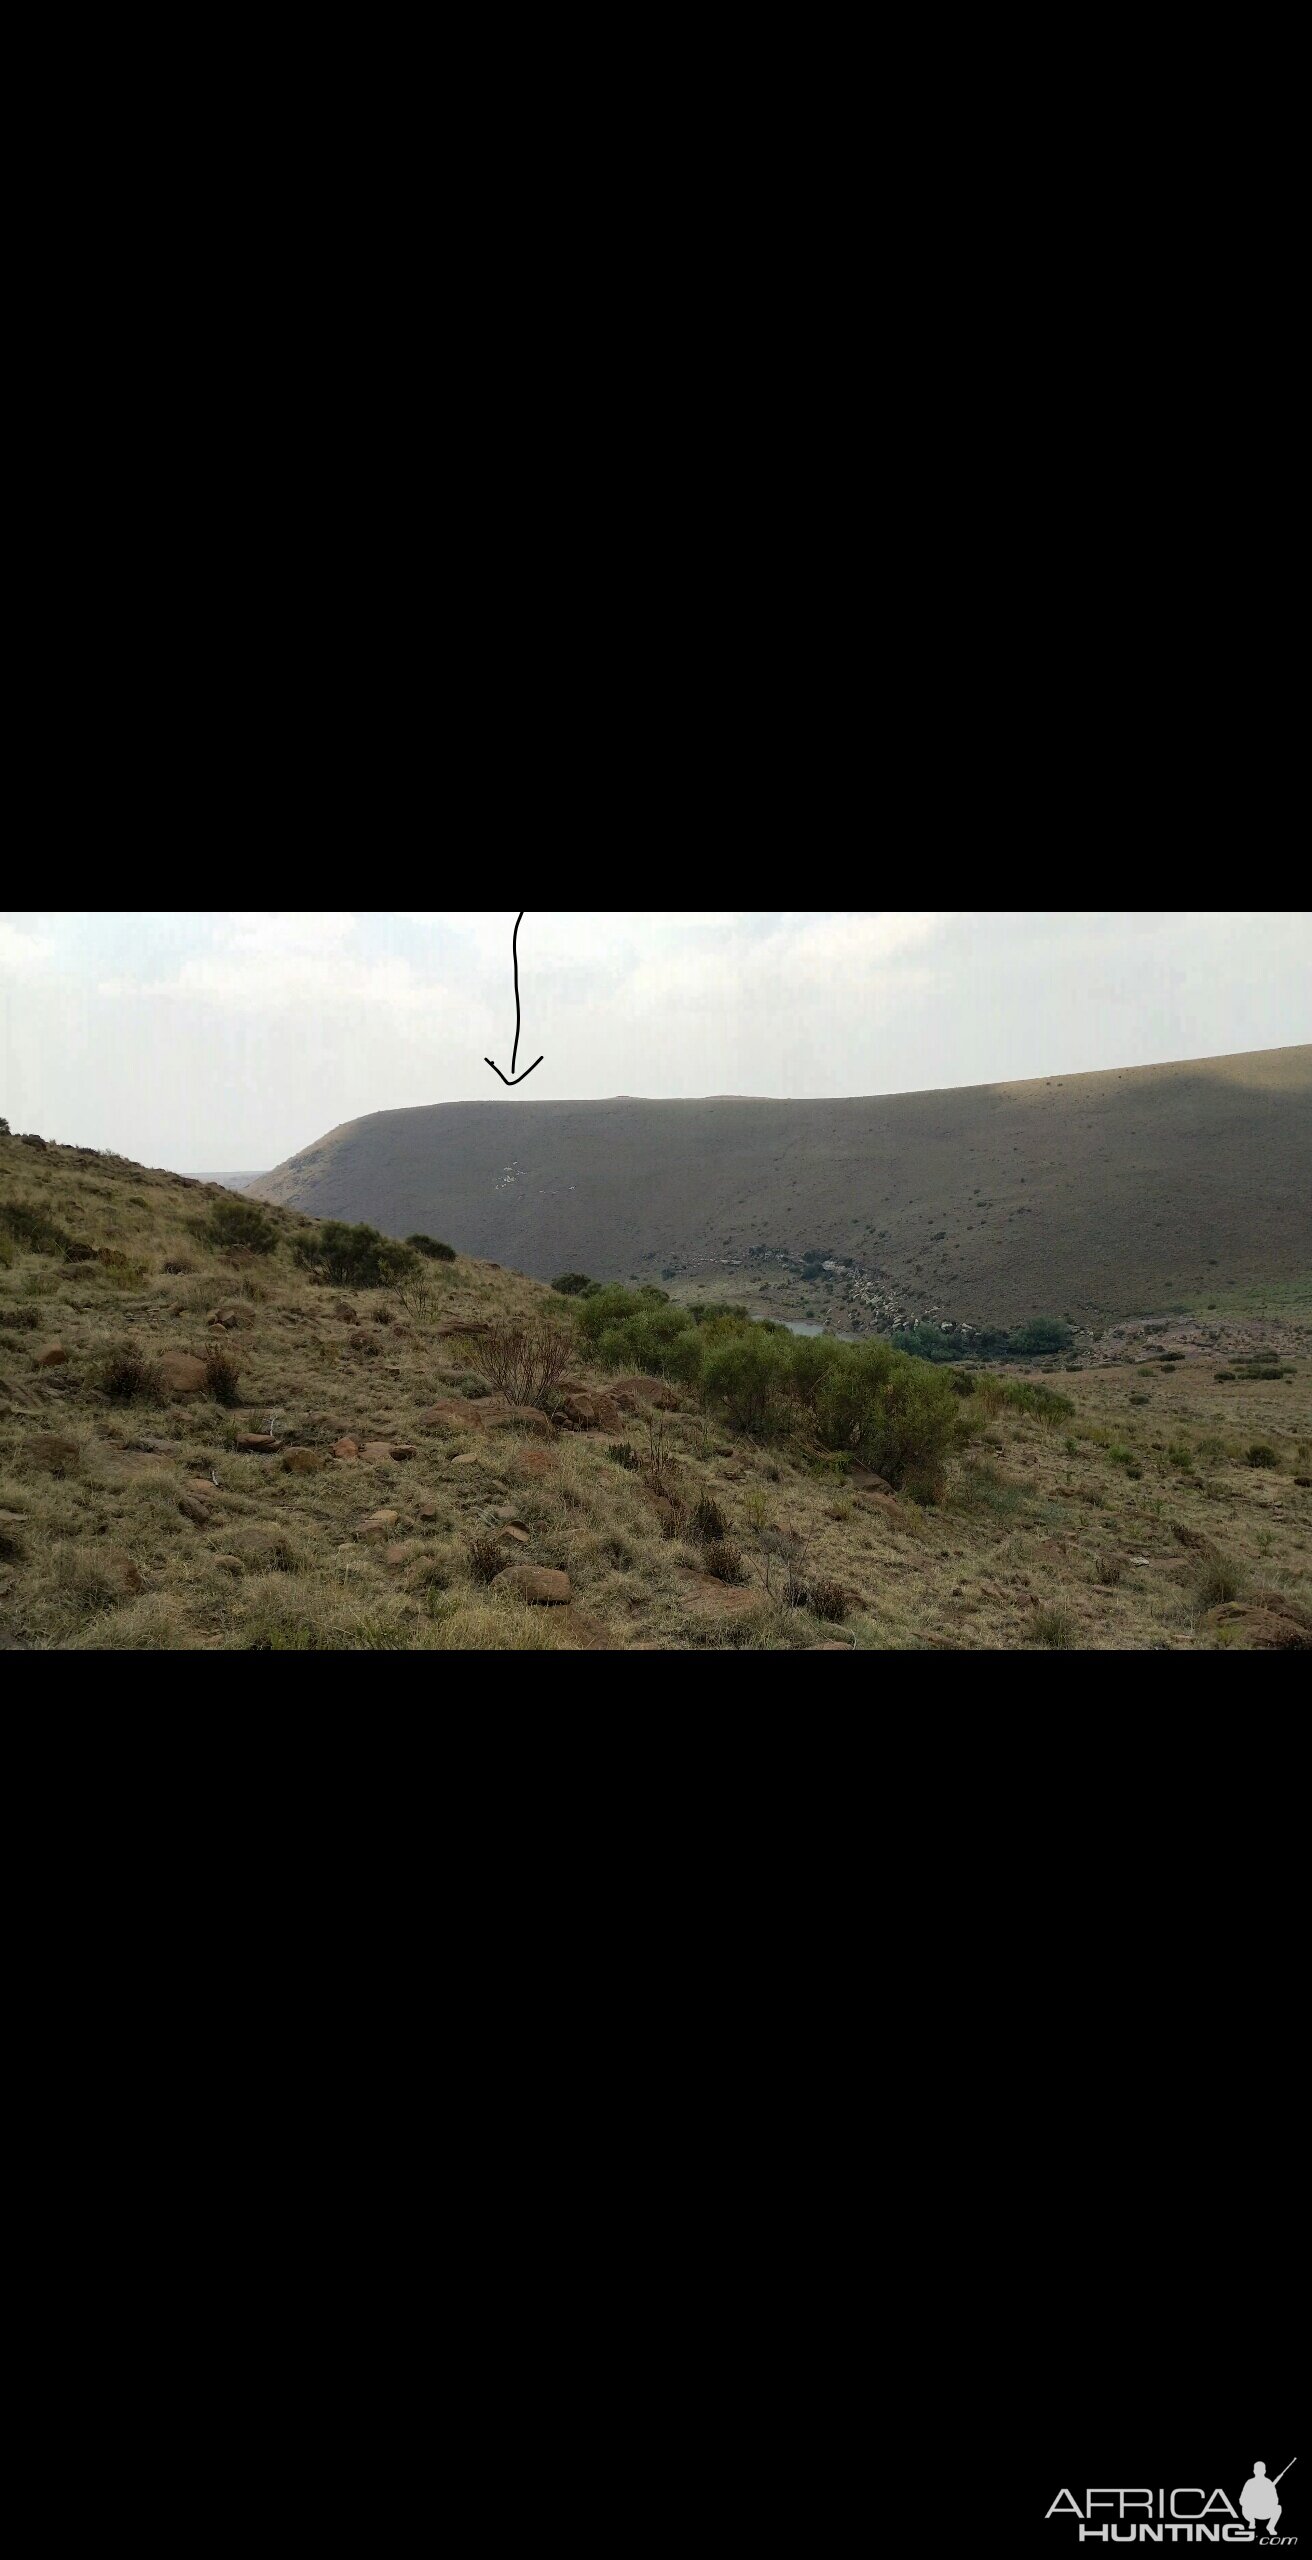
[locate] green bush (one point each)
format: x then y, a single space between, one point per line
748 1374
238 1226
431 1249
573 1284
895 1414
353 1257
1041 1334
1262 1454
638 1329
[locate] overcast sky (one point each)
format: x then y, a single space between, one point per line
217 1042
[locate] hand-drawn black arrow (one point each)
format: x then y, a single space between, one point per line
512 1078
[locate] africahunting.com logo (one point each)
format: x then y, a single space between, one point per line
1170 2515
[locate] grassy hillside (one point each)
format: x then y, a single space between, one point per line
1088 1196
390 1500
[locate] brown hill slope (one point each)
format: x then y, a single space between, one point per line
338 1476
1093 1195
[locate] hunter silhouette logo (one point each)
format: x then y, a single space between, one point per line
1258 2496
1181 2515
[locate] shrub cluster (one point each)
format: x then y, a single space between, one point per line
574 1284
353 1257
238 1226
895 1414
431 1249
1042 1336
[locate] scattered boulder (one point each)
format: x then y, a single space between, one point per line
192 1508
532 1462
377 1525
378 1452
57 1455
52 1355
864 1480
537 1583
403 1449
303 1462
235 1317
454 1413
520 1537
401 1552
260 1444
181 1375
516 1417
346 1448
428 1510
578 1413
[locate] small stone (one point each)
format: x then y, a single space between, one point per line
377 1451
377 1525
52 1356
347 1448
403 1449
261 1444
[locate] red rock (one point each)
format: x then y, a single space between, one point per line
376 1451
403 1449
303 1462
261 1444
346 1448
52 1357
454 1413
534 1462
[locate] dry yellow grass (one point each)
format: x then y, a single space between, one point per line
1131 1524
